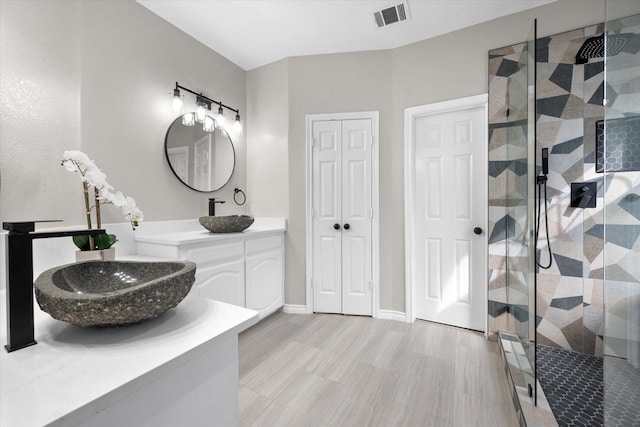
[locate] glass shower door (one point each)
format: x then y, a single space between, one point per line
618 151
520 206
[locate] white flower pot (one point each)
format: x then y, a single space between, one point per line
99 255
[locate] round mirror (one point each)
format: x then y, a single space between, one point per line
203 161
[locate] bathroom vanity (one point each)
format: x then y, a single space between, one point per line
178 369
244 269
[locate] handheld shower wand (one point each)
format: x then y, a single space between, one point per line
541 181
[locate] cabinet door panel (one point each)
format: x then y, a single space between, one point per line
223 282
264 282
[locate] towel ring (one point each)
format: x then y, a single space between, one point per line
235 194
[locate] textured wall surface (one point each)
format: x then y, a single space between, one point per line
98 76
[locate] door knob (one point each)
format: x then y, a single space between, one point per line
477 230
336 226
347 226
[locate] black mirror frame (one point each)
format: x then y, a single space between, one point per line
166 154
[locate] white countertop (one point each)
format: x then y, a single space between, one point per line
258 228
71 367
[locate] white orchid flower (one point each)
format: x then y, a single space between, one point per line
96 178
132 212
77 161
116 198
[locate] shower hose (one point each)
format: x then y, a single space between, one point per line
542 186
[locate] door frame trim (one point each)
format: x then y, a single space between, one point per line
410 115
374 116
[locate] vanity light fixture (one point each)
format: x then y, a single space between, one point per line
220 120
203 104
201 111
237 124
177 100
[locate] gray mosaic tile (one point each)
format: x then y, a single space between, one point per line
553 106
567 146
568 266
631 204
566 303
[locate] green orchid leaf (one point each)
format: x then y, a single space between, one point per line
82 242
104 241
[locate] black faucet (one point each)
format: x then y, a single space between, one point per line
20 278
212 206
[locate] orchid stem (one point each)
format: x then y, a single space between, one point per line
98 217
85 190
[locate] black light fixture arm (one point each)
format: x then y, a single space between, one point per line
206 99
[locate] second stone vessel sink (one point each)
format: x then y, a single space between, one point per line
226 224
113 293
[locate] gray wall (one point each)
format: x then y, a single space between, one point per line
447 67
98 76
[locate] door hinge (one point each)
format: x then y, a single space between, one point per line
312 284
370 285
314 142
371 213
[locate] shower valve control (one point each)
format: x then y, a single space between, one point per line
583 194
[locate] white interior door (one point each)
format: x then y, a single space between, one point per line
450 187
342 211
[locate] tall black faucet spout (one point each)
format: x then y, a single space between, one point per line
19 293
212 206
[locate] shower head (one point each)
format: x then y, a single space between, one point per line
594 47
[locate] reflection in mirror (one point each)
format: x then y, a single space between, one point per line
203 161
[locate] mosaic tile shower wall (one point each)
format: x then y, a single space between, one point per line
569 102
508 191
570 293
622 229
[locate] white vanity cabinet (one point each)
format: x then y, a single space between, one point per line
263 274
223 282
244 269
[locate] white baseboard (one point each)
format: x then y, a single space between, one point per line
295 309
400 316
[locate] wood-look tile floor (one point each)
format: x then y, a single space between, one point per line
333 370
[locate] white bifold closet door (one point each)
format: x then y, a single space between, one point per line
342 216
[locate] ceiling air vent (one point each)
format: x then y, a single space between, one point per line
392 14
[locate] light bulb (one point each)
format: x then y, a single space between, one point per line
201 113
189 119
177 101
209 124
220 120
237 124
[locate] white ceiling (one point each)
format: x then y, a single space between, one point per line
252 33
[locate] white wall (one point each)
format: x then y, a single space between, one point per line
268 140
98 76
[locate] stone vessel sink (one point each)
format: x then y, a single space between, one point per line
226 224
113 293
